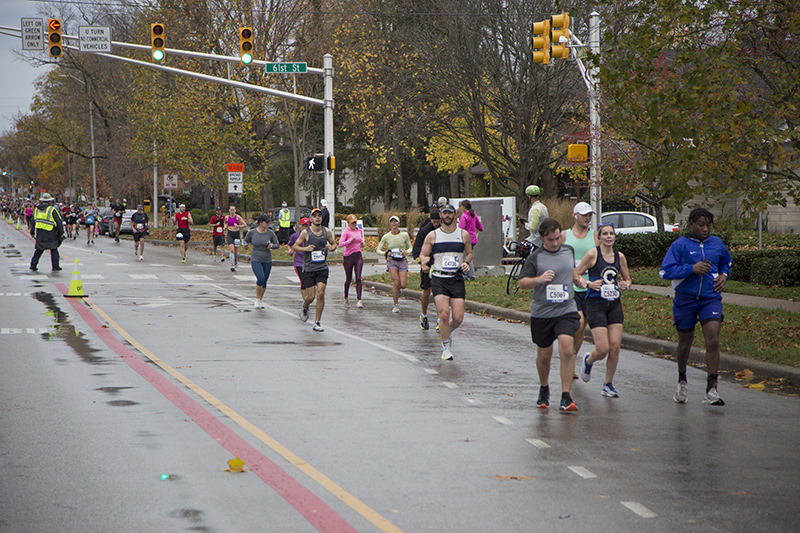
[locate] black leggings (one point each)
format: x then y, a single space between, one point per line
353 261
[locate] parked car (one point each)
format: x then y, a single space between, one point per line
274 215
634 222
125 227
105 220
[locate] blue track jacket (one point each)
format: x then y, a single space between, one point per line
683 254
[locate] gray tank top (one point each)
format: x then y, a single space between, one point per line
316 260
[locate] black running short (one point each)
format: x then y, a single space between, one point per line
452 287
310 279
545 331
601 312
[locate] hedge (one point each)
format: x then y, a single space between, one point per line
645 249
743 261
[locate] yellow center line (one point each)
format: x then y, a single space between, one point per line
324 481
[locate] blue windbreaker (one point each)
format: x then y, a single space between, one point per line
684 253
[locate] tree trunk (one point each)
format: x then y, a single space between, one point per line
453 185
398 170
387 191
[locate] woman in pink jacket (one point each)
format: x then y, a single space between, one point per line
352 240
469 221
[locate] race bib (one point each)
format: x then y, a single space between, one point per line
139 226
318 256
217 230
451 263
557 293
90 220
609 292
396 253
237 242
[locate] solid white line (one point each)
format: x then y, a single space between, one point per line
538 443
639 509
450 384
503 420
581 471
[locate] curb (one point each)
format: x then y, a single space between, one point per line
734 363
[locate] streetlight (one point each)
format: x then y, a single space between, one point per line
91 136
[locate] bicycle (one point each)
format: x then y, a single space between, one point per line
521 250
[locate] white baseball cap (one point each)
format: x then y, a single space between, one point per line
582 208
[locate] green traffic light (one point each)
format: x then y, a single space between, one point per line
158 55
247 59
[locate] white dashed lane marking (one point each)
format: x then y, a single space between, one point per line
639 509
581 471
538 443
503 420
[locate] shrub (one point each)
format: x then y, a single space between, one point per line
645 249
783 271
743 261
199 218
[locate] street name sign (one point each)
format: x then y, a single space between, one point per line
94 39
32 33
235 178
287 68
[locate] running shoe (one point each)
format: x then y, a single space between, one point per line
258 304
233 268
681 395
318 327
447 355
395 309
609 391
346 302
437 326
92 242
423 322
183 260
222 260
567 404
586 369
141 258
304 314
543 401
712 397
359 305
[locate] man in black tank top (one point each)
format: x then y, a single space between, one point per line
447 260
315 242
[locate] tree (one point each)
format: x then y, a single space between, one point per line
708 94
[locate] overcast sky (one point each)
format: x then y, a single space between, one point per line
16 81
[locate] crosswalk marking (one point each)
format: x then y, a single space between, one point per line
117 264
195 277
143 276
583 472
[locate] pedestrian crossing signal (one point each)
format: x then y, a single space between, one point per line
316 163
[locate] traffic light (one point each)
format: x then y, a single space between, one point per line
157 41
560 36
540 42
331 163
54 37
246 45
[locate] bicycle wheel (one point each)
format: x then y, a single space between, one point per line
513 276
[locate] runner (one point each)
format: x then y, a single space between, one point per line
264 241
305 293
469 221
428 226
118 210
352 240
183 219
73 217
233 236
549 272
582 240
139 225
699 265
608 274
536 214
217 223
315 242
91 216
395 246
446 254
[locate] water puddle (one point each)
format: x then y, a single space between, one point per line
11 251
65 331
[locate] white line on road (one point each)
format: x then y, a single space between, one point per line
581 471
639 509
450 384
195 277
143 276
474 401
538 443
293 279
35 276
117 264
431 371
503 420
92 276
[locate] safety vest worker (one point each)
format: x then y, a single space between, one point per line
285 217
45 219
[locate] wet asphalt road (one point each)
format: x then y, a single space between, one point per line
171 372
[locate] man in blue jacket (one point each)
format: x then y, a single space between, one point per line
699 265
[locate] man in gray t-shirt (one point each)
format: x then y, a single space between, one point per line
549 272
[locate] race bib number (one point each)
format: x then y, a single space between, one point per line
318 256
396 253
557 293
609 292
217 230
237 242
139 226
451 263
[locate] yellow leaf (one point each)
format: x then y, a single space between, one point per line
236 464
757 386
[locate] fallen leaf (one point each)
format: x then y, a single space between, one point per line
236 464
510 476
745 375
756 386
